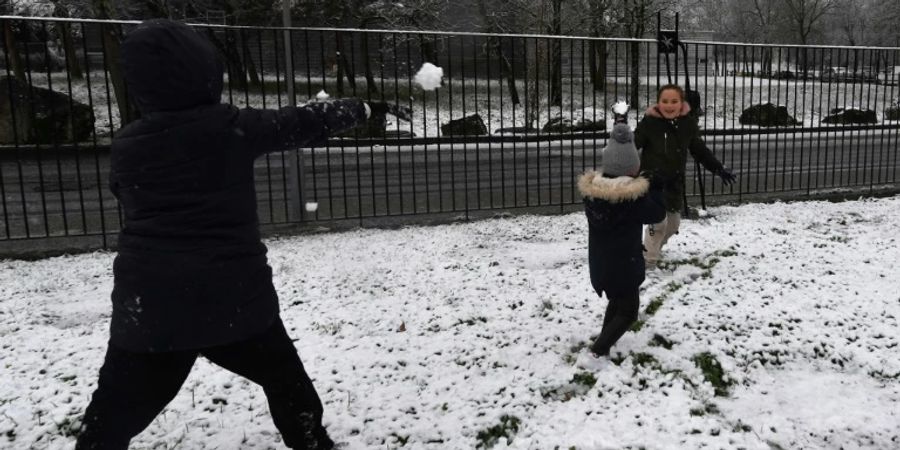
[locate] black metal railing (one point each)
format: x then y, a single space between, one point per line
535 110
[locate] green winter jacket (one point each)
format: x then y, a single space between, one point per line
664 146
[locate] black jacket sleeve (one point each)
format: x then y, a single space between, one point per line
702 153
269 130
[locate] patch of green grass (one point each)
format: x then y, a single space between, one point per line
726 253
472 321
884 376
400 440
660 341
655 304
673 286
644 360
507 428
636 326
584 378
713 373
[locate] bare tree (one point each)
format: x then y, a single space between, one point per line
806 15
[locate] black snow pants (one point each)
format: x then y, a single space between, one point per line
134 387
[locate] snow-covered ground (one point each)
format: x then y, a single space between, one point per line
462 335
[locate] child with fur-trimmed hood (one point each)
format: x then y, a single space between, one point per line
617 203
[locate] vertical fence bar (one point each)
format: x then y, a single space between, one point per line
356 146
76 147
527 108
54 139
871 78
100 190
14 119
819 139
797 101
500 81
895 79
38 148
891 103
462 54
396 99
551 80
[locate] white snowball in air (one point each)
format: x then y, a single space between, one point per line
322 95
620 108
312 206
429 76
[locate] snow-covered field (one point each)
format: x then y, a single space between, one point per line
772 327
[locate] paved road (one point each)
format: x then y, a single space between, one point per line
57 194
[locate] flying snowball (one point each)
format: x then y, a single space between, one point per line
620 108
322 95
312 206
429 76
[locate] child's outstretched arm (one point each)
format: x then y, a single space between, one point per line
269 130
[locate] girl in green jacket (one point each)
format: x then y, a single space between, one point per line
665 135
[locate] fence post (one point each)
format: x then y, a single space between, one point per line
295 157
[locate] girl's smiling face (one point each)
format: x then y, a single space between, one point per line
670 103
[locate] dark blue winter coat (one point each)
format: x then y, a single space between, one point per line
616 210
191 271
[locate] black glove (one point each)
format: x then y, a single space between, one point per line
382 108
726 175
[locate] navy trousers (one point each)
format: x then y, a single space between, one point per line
134 387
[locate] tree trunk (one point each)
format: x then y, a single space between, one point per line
344 67
111 39
556 56
248 61
64 31
72 64
534 73
509 75
597 53
597 62
716 59
635 75
371 87
429 54
496 47
228 50
13 55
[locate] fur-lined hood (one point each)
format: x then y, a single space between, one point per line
614 190
653 111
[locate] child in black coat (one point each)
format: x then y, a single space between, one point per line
617 203
191 274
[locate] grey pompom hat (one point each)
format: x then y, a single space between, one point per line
620 157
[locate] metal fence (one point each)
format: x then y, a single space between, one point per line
516 119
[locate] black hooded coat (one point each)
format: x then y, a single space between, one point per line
191 270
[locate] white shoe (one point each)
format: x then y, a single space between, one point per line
589 361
